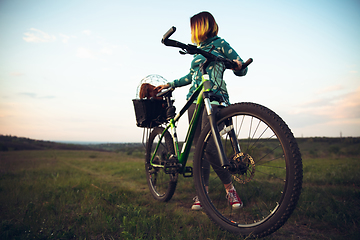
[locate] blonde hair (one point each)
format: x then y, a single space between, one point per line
203 26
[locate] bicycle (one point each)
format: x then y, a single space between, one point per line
253 144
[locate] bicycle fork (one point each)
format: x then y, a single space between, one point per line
215 130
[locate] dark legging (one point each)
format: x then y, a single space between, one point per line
211 155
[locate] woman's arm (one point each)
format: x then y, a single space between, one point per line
177 82
230 53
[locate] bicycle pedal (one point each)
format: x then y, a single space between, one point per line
171 167
188 172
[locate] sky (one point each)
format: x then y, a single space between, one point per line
70 69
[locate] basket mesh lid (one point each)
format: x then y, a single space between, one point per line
152 79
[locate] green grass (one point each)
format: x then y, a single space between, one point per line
329 203
61 194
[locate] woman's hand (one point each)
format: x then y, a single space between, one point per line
239 65
161 87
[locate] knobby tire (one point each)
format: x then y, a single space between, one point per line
162 185
270 187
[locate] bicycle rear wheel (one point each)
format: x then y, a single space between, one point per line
162 185
268 177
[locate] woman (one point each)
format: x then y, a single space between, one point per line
204 30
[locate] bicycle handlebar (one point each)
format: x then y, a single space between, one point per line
192 49
168 34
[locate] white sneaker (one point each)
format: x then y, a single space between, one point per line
197 205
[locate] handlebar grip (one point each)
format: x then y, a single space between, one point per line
168 34
247 63
233 64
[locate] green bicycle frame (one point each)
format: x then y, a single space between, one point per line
184 154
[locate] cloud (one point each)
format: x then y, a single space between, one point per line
85 53
348 106
66 38
16 74
32 95
327 115
344 106
329 89
36 36
87 32
107 50
35 96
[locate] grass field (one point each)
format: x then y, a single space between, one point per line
69 194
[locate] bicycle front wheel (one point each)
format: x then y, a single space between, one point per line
267 173
161 184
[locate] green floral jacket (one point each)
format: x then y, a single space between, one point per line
215 70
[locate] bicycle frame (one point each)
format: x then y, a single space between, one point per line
202 100
184 154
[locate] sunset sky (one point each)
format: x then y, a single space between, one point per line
69 69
